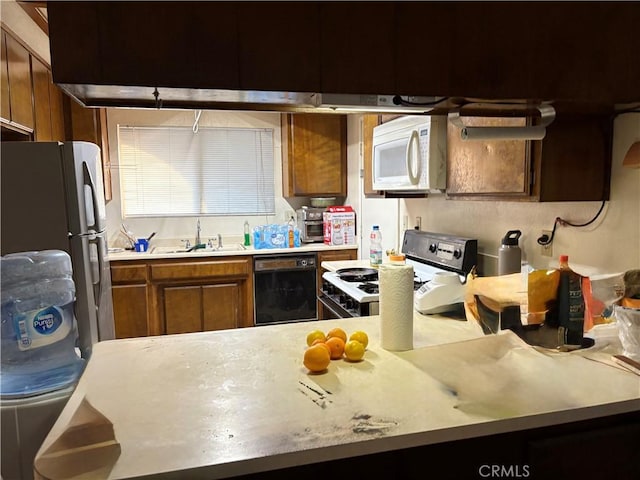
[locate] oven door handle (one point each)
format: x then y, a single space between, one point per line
329 307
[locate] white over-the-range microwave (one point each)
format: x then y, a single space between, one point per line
409 154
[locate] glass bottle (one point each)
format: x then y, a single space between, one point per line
570 305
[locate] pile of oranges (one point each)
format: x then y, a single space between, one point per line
321 348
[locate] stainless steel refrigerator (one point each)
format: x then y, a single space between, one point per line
53 198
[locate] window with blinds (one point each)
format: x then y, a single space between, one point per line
172 171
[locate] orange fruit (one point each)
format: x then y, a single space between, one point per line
316 358
322 342
336 344
315 335
361 337
337 332
354 350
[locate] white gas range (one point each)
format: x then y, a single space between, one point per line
440 265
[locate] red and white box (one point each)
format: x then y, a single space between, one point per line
339 225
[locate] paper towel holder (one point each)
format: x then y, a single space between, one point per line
530 132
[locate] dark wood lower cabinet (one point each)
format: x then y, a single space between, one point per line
167 296
198 308
130 310
603 448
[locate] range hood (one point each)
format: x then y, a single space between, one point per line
217 99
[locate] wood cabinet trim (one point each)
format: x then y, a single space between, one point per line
128 273
228 268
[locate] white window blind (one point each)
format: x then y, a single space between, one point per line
172 171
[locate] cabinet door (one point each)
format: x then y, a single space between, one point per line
496 168
103 135
130 310
5 111
41 102
221 306
278 46
57 111
369 122
314 155
356 45
183 309
19 74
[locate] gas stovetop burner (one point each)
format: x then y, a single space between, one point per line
357 274
369 287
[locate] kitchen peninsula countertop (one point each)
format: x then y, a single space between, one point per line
235 402
152 255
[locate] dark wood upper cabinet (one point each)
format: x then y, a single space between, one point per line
369 122
19 83
583 55
565 51
5 110
314 155
357 51
41 101
571 163
279 46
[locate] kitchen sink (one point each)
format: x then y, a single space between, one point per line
232 247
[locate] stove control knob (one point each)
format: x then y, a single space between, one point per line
349 303
343 298
457 253
330 289
433 248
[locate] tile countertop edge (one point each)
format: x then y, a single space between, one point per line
307 248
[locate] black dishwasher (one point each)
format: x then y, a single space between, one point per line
285 288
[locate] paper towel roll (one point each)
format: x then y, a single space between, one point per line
396 307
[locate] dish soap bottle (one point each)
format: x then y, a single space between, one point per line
570 306
375 248
247 237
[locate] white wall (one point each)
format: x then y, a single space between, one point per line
185 227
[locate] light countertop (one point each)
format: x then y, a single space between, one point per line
334 265
224 403
152 255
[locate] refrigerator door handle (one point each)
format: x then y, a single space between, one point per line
92 200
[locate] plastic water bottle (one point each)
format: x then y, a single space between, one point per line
38 332
375 246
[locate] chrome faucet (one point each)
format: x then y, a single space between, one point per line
210 242
198 232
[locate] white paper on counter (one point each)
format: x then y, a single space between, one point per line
500 376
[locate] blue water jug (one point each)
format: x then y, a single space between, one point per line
39 331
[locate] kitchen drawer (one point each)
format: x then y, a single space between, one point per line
240 267
128 273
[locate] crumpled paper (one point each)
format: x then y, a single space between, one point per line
86 449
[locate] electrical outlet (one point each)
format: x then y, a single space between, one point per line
419 223
546 250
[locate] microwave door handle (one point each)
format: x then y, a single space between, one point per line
413 142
